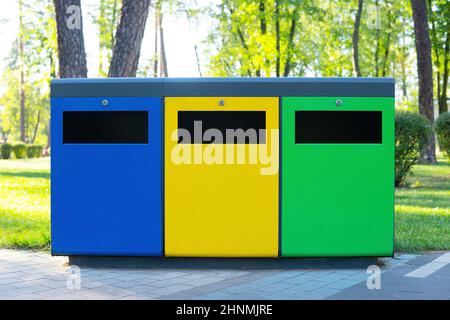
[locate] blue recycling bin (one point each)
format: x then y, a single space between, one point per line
106 172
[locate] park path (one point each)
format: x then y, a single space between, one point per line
37 275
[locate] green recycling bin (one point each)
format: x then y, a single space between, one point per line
337 176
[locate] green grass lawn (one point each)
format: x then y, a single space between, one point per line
25 203
422 209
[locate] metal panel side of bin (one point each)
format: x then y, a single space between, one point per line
219 210
106 198
337 198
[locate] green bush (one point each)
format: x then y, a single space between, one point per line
19 150
34 150
5 150
442 128
412 133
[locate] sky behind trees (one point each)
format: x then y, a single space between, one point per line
180 38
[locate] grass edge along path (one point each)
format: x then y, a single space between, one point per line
422 207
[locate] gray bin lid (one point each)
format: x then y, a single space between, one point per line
223 87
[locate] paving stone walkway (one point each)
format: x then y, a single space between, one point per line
424 277
36 275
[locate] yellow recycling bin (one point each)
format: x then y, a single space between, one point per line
221 177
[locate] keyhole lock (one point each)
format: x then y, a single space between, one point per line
105 102
221 103
339 102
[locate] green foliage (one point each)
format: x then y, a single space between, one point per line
442 128
36 104
246 36
34 150
106 18
5 150
412 133
439 18
19 150
385 45
318 43
38 64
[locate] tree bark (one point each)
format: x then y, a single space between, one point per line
434 45
125 59
355 39
377 53
36 127
155 50
403 61
263 26
5 136
377 46
443 106
425 70
262 12
114 20
198 62
386 55
277 37
287 65
52 76
71 52
23 135
163 63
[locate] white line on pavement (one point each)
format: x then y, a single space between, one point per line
429 268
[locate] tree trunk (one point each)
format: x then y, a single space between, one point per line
102 15
155 52
287 66
277 37
163 63
52 76
36 127
198 61
377 54
263 27
355 39
377 46
424 69
49 131
23 135
125 59
71 52
114 21
403 62
443 106
434 45
5 136
386 55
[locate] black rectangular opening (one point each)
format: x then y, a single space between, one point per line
248 127
105 127
338 127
